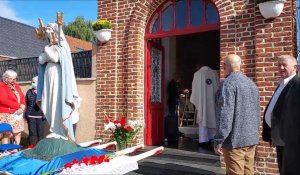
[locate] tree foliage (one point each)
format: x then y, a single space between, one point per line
80 28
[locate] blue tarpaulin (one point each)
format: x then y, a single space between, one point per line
19 164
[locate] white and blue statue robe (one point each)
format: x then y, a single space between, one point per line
58 92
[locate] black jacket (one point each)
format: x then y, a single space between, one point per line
279 113
32 108
290 132
173 92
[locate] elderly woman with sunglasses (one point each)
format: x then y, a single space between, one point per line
12 104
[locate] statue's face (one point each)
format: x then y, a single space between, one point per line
48 31
51 35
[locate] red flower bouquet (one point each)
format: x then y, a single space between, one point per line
123 134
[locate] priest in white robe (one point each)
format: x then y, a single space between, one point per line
204 87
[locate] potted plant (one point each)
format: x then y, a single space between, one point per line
270 8
102 29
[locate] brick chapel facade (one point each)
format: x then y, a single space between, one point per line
121 62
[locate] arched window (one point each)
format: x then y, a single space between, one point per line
177 17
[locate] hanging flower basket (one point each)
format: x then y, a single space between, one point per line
103 35
271 9
102 29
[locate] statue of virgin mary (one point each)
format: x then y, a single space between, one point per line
57 90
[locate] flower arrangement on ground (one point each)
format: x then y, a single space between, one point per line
84 164
123 133
101 24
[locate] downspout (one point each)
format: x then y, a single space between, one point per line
297 43
116 61
294 45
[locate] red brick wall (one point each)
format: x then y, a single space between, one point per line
120 62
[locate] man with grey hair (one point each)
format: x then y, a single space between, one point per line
275 112
237 119
290 131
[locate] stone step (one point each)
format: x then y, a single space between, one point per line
133 173
191 154
179 162
175 168
192 158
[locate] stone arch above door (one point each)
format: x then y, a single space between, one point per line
143 11
182 17
227 20
224 7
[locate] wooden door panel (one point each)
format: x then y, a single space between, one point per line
154 94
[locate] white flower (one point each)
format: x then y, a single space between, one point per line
118 124
75 169
135 123
110 126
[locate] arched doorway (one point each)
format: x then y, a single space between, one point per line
177 33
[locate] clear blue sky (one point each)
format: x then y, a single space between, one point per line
28 11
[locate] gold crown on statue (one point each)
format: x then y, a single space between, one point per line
40 32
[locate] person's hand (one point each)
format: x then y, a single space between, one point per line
20 111
186 91
181 95
218 151
22 107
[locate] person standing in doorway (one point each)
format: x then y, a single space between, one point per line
173 91
238 119
171 124
34 115
275 112
204 88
